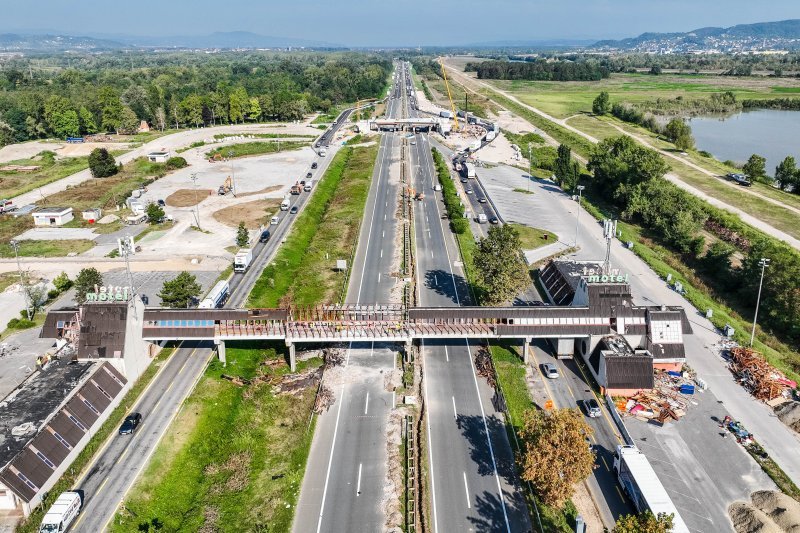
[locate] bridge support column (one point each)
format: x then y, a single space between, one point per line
292 356
525 348
221 353
408 345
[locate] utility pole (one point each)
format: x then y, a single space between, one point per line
193 177
22 282
763 263
233 170
530 166
126 246
578 215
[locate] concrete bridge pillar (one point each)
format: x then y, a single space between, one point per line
408 345
525 348
292 356
221 352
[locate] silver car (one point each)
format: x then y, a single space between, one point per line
592 408
549 370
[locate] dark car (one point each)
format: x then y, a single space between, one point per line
162 203
314 164
293 210
482 200
309 176
130 424
494 220
264 236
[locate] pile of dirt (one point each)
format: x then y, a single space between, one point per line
770 511
254 214
393 484
268 190
789 414
187 197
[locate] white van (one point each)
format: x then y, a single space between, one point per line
62 513
482 219
308 186
285 204
274 220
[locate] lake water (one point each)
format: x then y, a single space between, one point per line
769 133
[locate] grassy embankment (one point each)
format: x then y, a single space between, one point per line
13 183
234 457
255 148
326 230
664 261
109 427
105 193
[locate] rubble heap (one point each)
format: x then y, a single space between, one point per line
760 378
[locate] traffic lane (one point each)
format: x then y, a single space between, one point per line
107 483
472 482
358 474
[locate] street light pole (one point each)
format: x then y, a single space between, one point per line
193 177
15 246
530 167
578 215
763 263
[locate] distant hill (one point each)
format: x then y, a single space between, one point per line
12 42
41 42
758 36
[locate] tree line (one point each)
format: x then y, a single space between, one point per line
539 70
114 94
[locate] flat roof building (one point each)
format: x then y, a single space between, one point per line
52 216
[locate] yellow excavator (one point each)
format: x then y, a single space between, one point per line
450 96
226 187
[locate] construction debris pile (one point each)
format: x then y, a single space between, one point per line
757 376
325 399
667 400
484 367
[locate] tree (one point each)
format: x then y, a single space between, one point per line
154 213
128 122
102 163
161 118
242 236
561 167
62 282
110 108
62 119
86 281
755 168
501 267
254 112
192 110
180 291
601 104
645 522
619 164
239 103
555 456
786 172
88 125
680 133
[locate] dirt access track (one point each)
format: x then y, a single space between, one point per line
254 214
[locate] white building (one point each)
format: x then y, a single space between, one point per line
158 157
52 216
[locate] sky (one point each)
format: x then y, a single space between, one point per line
389 22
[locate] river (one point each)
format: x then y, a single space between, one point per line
767 132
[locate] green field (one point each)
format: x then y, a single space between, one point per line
14 183
235 456
533 238
326 230
255 148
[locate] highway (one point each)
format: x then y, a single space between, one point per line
473 482
343 485
113 473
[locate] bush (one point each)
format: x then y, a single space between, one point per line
20 323
62 282
174 163
53 294
459 225
102 163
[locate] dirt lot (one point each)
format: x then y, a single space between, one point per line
254 214
187 197
769 512
267 190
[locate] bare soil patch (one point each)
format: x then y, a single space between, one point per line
789 414
769 511
271 188
253 214
187 197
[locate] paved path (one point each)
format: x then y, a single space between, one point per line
747 218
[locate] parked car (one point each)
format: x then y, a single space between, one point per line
309 176
592 408
293 210
314 164
130 424
549 370
161 202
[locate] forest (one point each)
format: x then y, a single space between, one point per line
539 70
64 96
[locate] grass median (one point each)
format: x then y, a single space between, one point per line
235 456
303 272
68 480
255 148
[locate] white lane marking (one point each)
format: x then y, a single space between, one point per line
430 447
358 485
466 491
383 233
488 439
369 235
381 253
455 414
446 354
366 403
333 445
379 277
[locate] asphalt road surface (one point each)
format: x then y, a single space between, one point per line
118 465
343 485
471 464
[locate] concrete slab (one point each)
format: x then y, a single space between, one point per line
57 234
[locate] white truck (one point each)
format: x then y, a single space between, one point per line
471 170
446 114
308 186
63 512
641 484
216 297
242 260
323 152
285 203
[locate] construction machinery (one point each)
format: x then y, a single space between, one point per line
449 96
226 187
